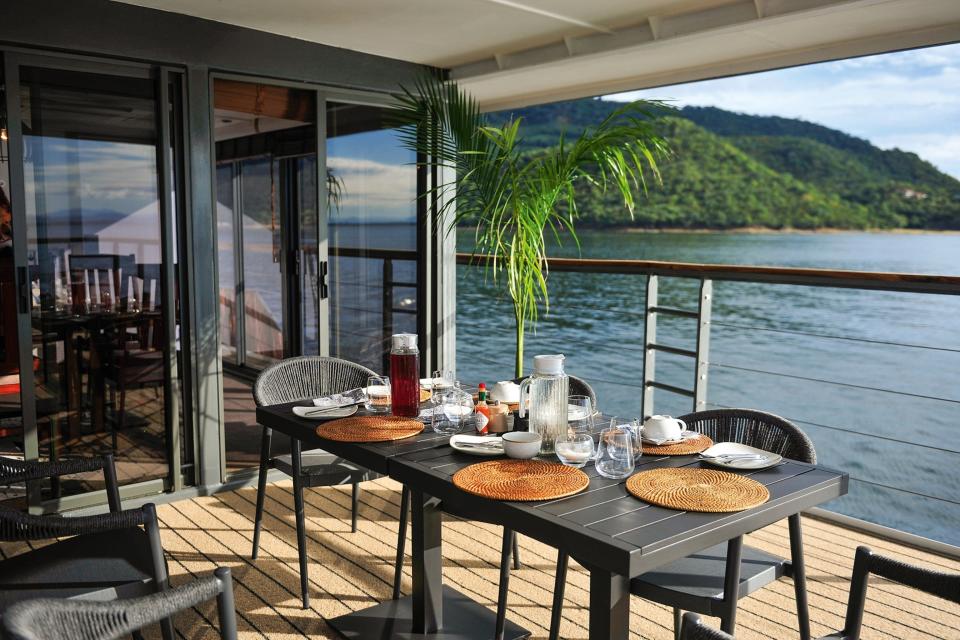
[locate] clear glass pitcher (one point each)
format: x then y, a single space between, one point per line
548 389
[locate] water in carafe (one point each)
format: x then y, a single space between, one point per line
549 390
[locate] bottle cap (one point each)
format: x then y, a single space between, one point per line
404 341
552 364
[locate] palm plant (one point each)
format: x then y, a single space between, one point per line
516 197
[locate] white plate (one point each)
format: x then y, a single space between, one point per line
773 459
684 435
312 413
459 440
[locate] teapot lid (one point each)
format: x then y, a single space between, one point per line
549 364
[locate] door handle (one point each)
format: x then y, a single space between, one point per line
23 291
324 291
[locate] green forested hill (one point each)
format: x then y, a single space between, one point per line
733 170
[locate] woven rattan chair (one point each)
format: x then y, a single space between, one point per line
298 379
50 619
693 628
106 556
699 582
938 583
509 548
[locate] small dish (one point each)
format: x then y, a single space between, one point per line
685 435
313 413
521 445
477 445
767 460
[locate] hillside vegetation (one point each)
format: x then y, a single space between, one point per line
733 170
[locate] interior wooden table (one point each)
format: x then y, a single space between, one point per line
433 610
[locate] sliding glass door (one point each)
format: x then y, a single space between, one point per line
95 202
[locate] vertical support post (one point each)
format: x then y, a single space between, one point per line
427 564
649 354
703 345
609 605
387 307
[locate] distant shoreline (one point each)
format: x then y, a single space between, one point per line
755 230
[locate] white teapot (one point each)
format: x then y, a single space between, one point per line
505 391
663 428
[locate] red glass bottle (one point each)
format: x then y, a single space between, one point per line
405 376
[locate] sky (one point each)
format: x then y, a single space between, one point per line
909 100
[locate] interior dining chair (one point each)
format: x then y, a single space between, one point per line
295 379
100 557
699 582
55 619
509 547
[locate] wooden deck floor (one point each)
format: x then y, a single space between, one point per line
350 571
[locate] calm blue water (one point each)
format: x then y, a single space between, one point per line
886 413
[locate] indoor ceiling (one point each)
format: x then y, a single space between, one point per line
517 52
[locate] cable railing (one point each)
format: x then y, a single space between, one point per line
936 285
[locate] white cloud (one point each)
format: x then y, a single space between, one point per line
907 99
375 190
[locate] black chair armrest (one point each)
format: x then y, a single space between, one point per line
18 526
12 471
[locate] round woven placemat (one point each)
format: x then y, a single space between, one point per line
697 490
521 480
370 429
685 448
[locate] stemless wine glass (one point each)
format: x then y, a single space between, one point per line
574 449
378 394
580 414
615 452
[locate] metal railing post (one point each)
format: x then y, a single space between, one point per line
387 308
703 345
649 353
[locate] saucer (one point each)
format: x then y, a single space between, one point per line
684 435
313 413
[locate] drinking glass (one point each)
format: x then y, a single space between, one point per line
378 394
441 380
615 453
580 414
574 449
453 411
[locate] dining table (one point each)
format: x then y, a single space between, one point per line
612 534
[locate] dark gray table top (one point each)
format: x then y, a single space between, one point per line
603 526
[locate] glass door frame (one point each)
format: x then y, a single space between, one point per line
167 183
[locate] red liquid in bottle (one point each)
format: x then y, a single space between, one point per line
405 384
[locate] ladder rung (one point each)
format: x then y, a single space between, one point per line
670 311
674 350
670 388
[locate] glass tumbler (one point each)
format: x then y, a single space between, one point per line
574 449
580 414
615 453
378 394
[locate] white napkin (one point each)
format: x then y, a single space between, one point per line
478 439
345 399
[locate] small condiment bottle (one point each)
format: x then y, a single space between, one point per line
483 411
498 417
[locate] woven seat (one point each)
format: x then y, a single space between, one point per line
49 619
303 378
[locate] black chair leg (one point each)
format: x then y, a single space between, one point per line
401 540
516 553
731 585
677 623
261 487
355 501
301 526
799 576
509 539
161 577
559 586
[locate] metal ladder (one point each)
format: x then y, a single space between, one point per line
651 346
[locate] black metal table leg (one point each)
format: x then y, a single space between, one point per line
799 573
301 525
609 605
427 564
731 585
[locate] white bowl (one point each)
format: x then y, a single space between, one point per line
522 445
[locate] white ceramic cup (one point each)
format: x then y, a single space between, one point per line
522 445
505 391
663 428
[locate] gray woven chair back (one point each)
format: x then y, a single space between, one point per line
307 377
756 429
693 629
578 387
60 619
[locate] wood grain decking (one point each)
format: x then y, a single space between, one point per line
350 571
